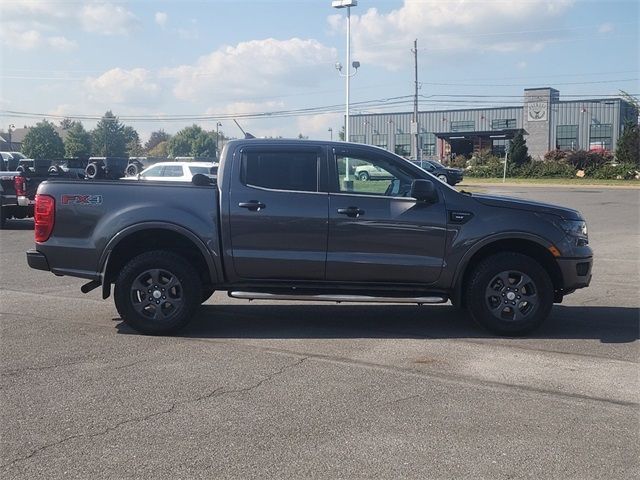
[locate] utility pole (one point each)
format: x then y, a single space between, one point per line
414 125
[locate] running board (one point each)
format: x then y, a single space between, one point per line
336 298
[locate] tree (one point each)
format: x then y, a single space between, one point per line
43 142
134 147
77 143
518 151
628 145
302 137
160 150
66 123
108 138
156 138
193 141
341 134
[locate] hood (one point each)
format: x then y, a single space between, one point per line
528 205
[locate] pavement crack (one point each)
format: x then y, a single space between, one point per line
217 392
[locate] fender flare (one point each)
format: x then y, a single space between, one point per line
469 254
132 229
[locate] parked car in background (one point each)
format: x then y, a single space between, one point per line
445 174
371 172
175 171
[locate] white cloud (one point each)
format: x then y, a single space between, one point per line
448 26
257 67
606 27
107 19
118 86
521 65
317 126
46 23
62 43
161 18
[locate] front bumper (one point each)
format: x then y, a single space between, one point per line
576 272
37 260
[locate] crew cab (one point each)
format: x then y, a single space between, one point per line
283 221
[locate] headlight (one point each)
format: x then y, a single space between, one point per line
576 229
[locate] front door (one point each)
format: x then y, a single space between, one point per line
278 213
377 233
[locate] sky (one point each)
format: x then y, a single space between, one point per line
168 64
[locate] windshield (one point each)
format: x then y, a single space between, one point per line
18 155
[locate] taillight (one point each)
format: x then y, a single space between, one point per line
19 183
45 213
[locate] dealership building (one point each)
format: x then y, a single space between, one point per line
546 121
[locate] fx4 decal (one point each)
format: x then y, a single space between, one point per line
68 199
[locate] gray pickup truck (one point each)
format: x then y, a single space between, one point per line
288 219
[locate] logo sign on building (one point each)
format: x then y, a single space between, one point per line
537 111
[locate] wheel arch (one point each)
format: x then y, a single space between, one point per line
152 236
534 247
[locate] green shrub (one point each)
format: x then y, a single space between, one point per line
556 156
583 160
622 171
543 169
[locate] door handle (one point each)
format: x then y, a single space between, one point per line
253 205
351 211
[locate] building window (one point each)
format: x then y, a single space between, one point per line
380 141
501 124
427 143
463 126
403 144
499 147
600 137
357 138
567 137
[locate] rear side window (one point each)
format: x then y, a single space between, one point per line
286 170
203 170
172 171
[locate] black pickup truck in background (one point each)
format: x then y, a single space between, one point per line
287 219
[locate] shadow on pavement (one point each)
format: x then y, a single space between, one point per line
607 324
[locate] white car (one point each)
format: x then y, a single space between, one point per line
175 171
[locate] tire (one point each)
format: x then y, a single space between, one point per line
92 170
175 287
132 170
443 177
207 292
509 294
3 219
363 176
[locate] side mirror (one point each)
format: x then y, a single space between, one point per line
424 191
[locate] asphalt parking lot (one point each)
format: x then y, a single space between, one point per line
286 390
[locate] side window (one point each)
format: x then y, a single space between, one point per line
372 176
154 171
172 171
285 170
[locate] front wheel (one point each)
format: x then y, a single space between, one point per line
509 294
443 178
363 176
157 292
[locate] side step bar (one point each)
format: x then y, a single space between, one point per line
336 298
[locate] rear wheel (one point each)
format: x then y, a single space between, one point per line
132 170
92 170
157 292
509 294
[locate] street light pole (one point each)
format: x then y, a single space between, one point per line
330 133
218 124
347 4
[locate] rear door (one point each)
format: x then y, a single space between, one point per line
278 213
377 233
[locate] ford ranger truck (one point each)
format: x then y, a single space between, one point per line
290 220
